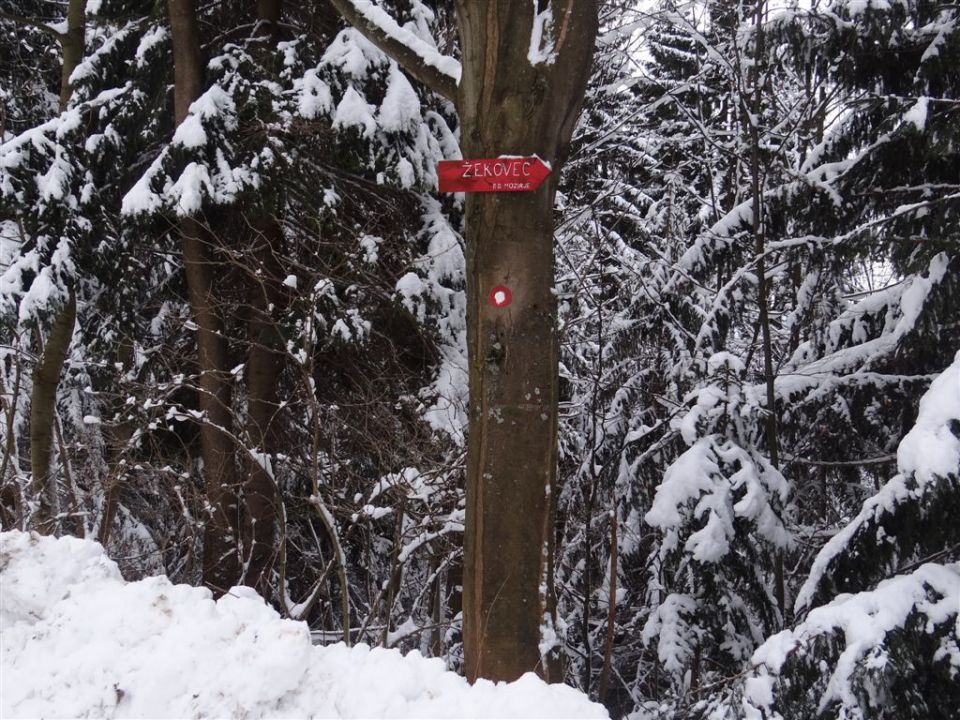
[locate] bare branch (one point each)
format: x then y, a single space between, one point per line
843 463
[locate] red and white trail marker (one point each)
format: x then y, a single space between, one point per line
501 296
502 174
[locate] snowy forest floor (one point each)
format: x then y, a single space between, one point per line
76 640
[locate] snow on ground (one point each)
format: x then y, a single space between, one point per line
76 640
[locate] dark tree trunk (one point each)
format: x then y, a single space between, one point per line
119 445
763 282
269 13
221 562
43 409
263 369
46 377
509 106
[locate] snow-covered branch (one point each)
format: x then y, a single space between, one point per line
425 63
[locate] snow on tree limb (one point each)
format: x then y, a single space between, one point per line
863 626
903 305
928 460
542 47
437 71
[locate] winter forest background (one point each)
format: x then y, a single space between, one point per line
758 277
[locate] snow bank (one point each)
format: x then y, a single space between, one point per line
76 640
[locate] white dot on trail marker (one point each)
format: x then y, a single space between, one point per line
500 296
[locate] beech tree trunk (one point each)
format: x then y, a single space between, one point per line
514 97
221 561
509 106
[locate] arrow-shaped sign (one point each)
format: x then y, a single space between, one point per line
502 174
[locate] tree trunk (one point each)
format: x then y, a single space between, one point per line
221 560
11 505
263 369
221 563
46 377
763 283
72 44
509 106
269 13
43 409
119 445
513 98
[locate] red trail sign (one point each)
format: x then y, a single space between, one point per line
502 174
